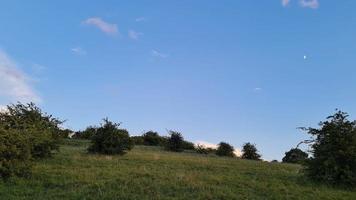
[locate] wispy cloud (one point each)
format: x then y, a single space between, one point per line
257 89
140 19
106 27
158 54
78 51
134 35
15 84
285 2
314 4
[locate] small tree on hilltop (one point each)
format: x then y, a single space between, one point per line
295 155
151 138
249 151
333 148
225 149
175 141
109 139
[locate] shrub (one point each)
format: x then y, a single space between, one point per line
151 138
333 148
225 149
204 150
295 155
109 139
249 151
137 140
42 129
89 132
188 145
15 153
175 141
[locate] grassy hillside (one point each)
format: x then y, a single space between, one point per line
149 173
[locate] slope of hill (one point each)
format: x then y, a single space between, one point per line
149 173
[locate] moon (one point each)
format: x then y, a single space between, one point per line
304 57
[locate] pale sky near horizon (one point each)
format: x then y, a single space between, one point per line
235 71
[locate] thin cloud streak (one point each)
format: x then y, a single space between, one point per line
134 35
15 84
78 51
314 4
158 54
106 27
285 2
140 19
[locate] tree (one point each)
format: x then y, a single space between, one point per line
225 149
89 132
151 138
175 141
249 151
41 129
295 155
109 139
15 153
333 148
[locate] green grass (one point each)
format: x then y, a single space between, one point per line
150 173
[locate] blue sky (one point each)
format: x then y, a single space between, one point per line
234 71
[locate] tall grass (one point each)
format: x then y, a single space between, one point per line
150 173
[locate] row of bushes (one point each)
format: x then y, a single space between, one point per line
26 134
110 139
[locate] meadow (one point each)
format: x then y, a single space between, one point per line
151 173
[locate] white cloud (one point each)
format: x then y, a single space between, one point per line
158 54
134 35
140 19
78 51
257 89
15 84
314 4
285 2
108 28
205 144
3 109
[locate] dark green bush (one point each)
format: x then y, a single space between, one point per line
89 132
188 145
333 148
225 149
295 155
15 153
174 141
151 138
109 139
42 130
249 151
204 150
137 140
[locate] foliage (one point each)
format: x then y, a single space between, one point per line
137 140
41 129
148 173
201 149
188 145
109 139
249 151
225 149
151 138
175 141
333 148
15 153
89 132
295 155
